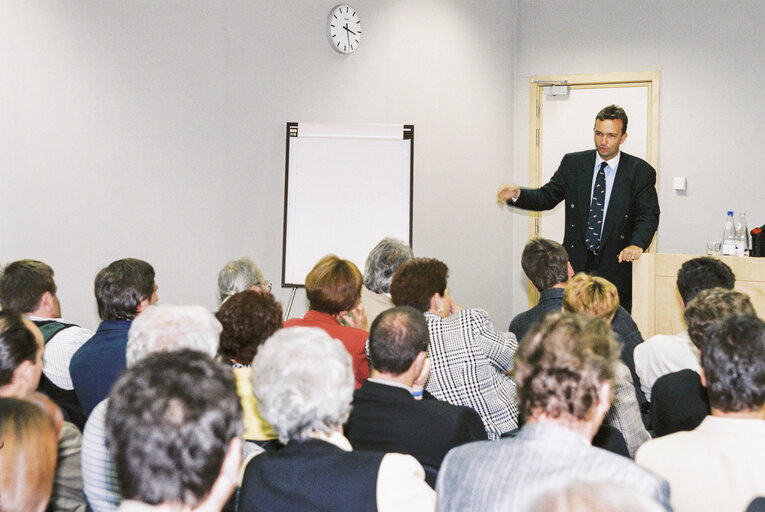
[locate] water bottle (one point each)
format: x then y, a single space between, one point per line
742 236
729 236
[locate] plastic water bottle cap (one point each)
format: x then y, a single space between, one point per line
730 212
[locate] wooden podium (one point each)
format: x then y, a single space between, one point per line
656 305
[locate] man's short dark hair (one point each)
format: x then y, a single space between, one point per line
613 112
702 273
396 337
712 305
17 344
545 263
733 358
169 422
23 283
121 287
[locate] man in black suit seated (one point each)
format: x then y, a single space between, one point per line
549 270
391 412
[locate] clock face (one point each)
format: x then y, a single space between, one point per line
344 28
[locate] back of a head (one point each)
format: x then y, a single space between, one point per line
303 380
333 285
396 337
711 305
733 359
121 286
545 263
382 263
168 328
593 497
23 283
248 318
702 273
416 281
28 449
237 276
561 364
591 295
17 344
169 423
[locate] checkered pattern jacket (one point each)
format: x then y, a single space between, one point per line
469 360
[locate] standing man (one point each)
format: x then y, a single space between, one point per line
612 210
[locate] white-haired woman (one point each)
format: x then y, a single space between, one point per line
303 380
379 268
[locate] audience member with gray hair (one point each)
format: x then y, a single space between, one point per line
240 275
174 425
303 380
379 268
592 497
161 328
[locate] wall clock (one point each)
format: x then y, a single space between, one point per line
344 28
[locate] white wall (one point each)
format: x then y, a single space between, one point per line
712 115
156 130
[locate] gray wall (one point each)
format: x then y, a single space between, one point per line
711 120
156 130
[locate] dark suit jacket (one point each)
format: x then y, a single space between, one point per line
631 219
678 402
387 419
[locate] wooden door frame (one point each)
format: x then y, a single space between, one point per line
649 79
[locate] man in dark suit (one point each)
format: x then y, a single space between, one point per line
391 412
605 232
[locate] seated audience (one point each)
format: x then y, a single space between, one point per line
124 289
719 464
549 270
595 296
163 328
27 456
381 263
679 401
593 497
333 288
666 353
21 349
249 318
469 357
303 380
240 275
564 369
27 286
391 412
174 426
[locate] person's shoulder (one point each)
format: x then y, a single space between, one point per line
635 162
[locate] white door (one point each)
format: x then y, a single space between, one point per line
562 124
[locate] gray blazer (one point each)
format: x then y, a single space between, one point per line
503 475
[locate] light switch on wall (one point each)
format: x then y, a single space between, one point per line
679 183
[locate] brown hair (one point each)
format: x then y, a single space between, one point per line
416 281
333 285
711 305
248 318
561 364
544 262
591 295
23 283
28 449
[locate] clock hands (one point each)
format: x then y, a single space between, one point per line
349 30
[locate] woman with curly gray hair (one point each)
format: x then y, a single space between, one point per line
379 268
303 380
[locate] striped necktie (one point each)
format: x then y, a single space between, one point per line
595 220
